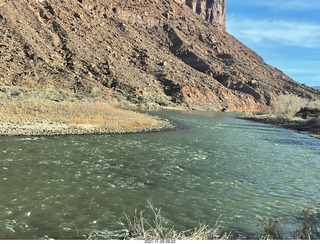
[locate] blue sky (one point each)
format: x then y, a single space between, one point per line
286 33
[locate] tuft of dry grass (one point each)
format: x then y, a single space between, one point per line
144 228
271 229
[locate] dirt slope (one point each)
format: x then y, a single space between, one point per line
143 51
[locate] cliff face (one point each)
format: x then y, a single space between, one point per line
213 11
157 53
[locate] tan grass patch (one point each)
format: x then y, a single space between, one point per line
101 115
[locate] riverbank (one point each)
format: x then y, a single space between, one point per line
310 127
54 129
26 112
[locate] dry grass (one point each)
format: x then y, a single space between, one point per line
153 228
31 111
271 229
149 225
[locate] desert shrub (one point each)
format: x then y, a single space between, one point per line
313 105
288 105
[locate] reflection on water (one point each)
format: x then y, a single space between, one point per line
67 187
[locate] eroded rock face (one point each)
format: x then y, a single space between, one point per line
214 11
156 53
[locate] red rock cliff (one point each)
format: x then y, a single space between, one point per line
214 11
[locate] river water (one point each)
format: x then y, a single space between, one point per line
215 167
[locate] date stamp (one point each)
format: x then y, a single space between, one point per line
160 241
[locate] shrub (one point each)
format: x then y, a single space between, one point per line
314 105
288 105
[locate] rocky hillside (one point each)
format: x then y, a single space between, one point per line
144 51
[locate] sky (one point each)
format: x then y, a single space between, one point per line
286 33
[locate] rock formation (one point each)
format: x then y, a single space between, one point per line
213 11
154 53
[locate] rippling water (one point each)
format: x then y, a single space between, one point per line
244 171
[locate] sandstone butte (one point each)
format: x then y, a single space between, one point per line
174 53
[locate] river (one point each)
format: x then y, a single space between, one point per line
215 167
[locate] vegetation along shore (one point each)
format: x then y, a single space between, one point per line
149 224
28 112
36 112
293 113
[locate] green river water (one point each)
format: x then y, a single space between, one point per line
216 166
